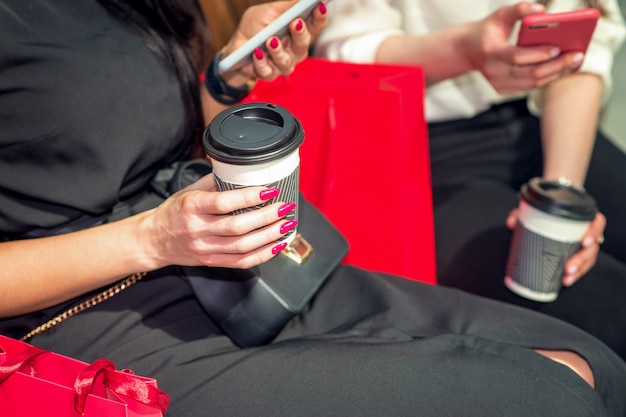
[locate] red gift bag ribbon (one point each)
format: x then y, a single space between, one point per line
120 382
19 362
123 383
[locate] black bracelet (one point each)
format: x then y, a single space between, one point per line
220 90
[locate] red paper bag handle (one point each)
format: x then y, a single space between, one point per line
123 383
19 361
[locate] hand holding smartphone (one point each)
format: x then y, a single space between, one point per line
569 31
279 28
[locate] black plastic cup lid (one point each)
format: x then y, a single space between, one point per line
252 133
559 199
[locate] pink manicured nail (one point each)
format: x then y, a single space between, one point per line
572 269
290 225
269 193
286 208
578 59
299 25
279 247
322 8
258 53
274 43
536 8
588 241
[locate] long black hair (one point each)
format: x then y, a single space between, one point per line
176 31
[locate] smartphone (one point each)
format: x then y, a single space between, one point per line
570 31
279 28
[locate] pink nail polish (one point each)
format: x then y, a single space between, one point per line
269 194
290 225
572 269
258 53
299 25
274 43
322 8
578 59
279 248
286 208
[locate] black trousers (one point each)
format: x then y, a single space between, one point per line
367 345
478 166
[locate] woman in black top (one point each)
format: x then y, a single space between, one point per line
96 98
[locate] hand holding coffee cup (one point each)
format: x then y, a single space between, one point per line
553 218
257 144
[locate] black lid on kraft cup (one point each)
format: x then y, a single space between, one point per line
560 199
252 133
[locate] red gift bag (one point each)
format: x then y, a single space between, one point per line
36 382
365 160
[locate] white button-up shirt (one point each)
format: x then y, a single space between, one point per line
358 27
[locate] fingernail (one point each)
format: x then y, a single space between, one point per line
572 269
258 53
588 241
286 208
269 193
299 25
274 43
322 8
554 52
279 247
536 7
569 280
578 58
290 225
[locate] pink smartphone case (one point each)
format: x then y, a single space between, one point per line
570 31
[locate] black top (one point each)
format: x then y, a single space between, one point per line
59 61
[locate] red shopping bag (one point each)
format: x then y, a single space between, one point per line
36 382
365 160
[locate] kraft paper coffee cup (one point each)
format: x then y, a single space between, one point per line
553 217
257 144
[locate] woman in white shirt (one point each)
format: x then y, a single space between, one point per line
499 115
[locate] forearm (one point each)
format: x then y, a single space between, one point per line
38 273
571 107
441 54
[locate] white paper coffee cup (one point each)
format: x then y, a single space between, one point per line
257 144
553 218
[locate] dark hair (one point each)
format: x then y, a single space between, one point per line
596 4
175 31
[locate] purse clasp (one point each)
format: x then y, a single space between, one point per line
298 250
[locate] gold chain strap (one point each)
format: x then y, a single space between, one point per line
95 300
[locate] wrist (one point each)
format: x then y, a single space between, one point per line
464 46
227 89
566 182
145 248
